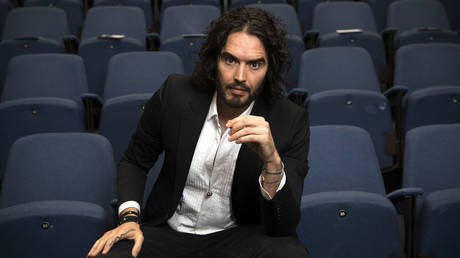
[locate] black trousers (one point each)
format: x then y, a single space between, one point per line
242 242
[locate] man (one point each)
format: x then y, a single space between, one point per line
235 154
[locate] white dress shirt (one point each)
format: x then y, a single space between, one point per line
205 206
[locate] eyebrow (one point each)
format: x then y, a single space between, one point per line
226 54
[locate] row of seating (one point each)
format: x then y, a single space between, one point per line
58 183
341 85
111 30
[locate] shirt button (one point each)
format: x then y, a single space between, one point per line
209 194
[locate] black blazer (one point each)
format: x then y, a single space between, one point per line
172 122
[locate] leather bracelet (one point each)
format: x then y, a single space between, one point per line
129 219
272 173
129 213
270 182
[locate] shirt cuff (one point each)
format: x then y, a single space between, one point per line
129 204
282 183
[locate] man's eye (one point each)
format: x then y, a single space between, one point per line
229 60
255 66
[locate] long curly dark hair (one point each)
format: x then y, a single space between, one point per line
255 22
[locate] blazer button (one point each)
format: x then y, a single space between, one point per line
209 194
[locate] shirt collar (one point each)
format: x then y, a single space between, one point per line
213 109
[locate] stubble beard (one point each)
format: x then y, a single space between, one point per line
234 101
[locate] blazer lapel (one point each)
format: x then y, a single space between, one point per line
190 129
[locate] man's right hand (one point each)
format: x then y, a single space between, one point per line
128 230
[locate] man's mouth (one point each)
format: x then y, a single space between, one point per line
238 89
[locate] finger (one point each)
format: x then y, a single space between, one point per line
97 247
109 244
247 131
138 240
244 119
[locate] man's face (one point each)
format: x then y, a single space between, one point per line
241 67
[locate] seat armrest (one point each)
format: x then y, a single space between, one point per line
310 39
298 95
71 43
152 41
93 106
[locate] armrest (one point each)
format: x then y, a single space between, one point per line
298 95
405 193
71 43
310 39
93 105
397 90
152 41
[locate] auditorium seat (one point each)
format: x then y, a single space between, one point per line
60 166
43 93
342 158
167 3
349 24
240 3
74 10
182 31
420 21
349 224
431 165
110 30
430 73
51 229
132 79
296 46
145 5
343 89
439 225
380 9
31 30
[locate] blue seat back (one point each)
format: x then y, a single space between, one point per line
139 72
349 224
335 68
51 228
431 158
60 166
342 158
45 75
145 5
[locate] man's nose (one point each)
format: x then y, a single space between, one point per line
240 73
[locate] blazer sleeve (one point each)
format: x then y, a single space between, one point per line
281 215
143 150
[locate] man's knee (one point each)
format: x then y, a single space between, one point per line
284 247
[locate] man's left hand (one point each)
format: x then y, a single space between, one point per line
255 131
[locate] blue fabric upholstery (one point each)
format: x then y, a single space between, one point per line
73 9
145 5
139 72
51 228
60 166
431 158
167 3
99 44
42 93
240 3
329 17
342 158
439 225
31 30
430 73
412 18
350 93
182 31
45 75
36 115
349 224
286 13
